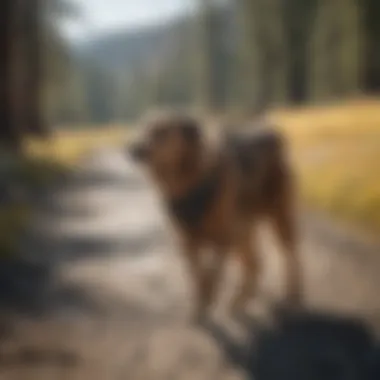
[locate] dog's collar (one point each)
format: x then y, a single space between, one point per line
191 208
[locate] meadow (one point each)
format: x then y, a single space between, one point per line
336 153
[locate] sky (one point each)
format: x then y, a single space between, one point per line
98 16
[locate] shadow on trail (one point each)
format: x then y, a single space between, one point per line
28 283
32 290
23 284
77 248
305 346
93 179
32 357
28 288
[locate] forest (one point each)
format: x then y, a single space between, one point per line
235 56
242 55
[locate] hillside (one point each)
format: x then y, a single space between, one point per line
128 49
136 50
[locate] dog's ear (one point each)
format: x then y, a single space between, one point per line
191 131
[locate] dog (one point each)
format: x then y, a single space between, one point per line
216 194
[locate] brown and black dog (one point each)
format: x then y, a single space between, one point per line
216 195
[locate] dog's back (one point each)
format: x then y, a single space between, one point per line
259 155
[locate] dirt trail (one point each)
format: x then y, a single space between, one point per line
115 297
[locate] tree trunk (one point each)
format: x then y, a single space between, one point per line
298 20
20 71
8 129
33 68
336 50
371 57
204 76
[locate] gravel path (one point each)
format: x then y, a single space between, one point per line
114 298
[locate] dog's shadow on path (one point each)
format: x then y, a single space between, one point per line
304 346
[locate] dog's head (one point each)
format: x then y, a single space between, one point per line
169 146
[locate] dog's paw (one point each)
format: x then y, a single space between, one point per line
255 313
238 310
287 309
295 297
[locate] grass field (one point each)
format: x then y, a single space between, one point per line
67 146
336 152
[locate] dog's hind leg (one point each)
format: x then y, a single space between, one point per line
205 277
285 228
192 253
250 265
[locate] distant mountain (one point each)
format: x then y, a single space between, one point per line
127 50
122 71
131 49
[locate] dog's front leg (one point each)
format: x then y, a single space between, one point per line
192 253
206 278
213 274
250 265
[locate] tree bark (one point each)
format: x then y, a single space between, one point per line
8 131
204 92
20 71
33 68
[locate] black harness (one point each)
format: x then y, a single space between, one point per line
190 209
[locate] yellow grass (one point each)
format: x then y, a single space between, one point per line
67 146
336 152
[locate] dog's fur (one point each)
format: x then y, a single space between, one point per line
216 195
